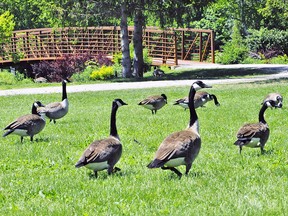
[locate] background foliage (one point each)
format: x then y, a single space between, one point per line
261 25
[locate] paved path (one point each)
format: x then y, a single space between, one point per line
281 71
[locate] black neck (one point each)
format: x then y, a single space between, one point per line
214 98
64 93
34 110
113 128
193 114
261 113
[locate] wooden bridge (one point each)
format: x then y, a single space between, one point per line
164 46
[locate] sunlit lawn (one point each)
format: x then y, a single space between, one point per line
39 178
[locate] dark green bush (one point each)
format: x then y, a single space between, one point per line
269 43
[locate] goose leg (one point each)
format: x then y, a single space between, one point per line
110 170
188 167
240 149
116 169
174 170
21 139
262 150
31 138
95 173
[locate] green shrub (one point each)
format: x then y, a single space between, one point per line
275 60
85 75
234 51
117 58
7 78
251 60
279 60
102 73
165 68
270 43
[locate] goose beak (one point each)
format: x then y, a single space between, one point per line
207 86
279 105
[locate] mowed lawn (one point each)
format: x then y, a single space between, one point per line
39 178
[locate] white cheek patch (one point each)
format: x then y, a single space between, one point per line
268 104
196 86
118 103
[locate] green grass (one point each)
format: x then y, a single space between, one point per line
39 178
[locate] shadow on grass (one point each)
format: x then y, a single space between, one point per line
205 74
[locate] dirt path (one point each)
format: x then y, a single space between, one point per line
280 72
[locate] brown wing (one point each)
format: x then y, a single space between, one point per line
251 130
151 100
200 94
101 150
23 121
176 145
182 100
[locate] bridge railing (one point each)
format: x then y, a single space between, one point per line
164 46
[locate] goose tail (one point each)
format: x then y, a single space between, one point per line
156 164
7 133
80 163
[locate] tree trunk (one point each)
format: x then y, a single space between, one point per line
126 61
137 42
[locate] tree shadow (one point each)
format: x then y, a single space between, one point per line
208 73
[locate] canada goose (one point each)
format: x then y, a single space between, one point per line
57 110
182 147
154 102
200 99
27 125
255 135
276 97
105 153
158 73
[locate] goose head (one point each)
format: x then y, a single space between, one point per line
66 80
35 107
279 101
38 104
276 97
118 103
271 103
199 84
165 97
